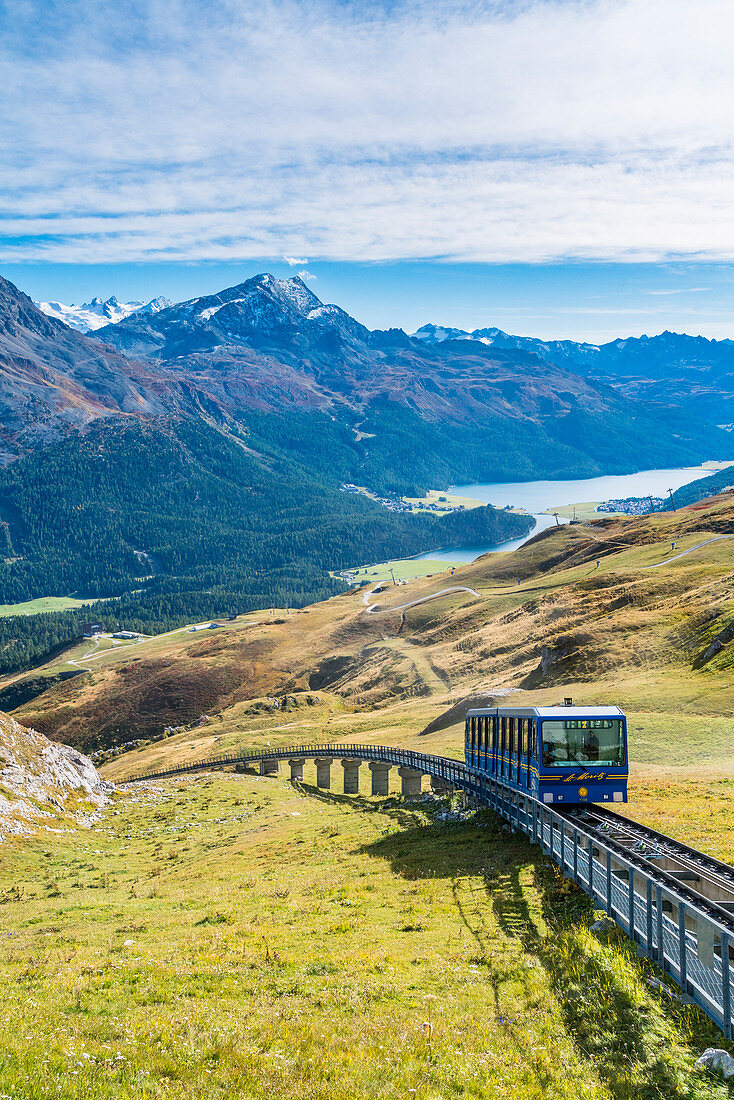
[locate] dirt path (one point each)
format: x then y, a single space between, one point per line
437 681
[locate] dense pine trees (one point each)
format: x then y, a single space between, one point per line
183 521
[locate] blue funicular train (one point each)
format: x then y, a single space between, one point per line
563 754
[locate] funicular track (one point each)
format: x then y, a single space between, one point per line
675 903
711 880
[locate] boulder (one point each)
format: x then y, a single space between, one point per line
605 924
41 780
718 1061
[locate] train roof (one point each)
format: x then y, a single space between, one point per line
551 712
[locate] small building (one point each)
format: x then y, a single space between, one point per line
90 629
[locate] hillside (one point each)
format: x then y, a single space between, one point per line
54 380
636 630
179 519
236 937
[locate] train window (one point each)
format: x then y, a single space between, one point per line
570 742
520 735
492 733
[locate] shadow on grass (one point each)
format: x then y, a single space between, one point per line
406 814
630 1037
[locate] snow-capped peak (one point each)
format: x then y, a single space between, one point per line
89 316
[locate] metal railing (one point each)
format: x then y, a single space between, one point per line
669 922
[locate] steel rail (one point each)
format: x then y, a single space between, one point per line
688 935
707 863
666 848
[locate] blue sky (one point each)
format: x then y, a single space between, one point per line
555 167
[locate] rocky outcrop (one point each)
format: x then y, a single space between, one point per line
722 638
565 659
44 784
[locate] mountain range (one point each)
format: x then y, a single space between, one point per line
670 368
99 312
190 458
666 369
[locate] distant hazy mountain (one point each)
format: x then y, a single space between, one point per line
567 352
672 368
90 316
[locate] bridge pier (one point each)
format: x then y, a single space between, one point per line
380 777
351 775
297 770
410 781
323 771
268 767
439 786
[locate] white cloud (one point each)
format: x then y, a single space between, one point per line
469 131
293 261
679 290
307 276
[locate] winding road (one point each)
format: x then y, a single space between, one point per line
685 553
375 609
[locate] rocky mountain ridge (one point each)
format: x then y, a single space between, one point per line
275 333
89 316
270 346
54 379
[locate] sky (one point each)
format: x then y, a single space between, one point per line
554 167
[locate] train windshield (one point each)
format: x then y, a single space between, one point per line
569 742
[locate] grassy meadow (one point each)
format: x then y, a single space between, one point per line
44 603
237 936
403 569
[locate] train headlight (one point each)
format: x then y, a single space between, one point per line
583 792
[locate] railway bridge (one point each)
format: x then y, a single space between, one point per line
675 903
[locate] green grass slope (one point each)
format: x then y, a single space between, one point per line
233 936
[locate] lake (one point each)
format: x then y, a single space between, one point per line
537 496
